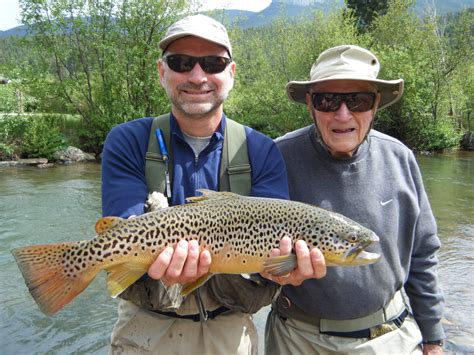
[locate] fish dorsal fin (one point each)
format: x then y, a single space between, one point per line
106 223
211 195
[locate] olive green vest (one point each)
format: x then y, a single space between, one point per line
235 167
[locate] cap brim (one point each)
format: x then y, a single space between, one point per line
164 43
390 90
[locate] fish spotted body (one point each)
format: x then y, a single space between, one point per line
238 231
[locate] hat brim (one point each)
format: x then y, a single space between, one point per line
168 40
390 90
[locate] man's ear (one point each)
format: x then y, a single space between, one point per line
309 103
161 70
311 110
232 69
377 102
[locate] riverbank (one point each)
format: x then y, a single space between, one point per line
38 162
69 155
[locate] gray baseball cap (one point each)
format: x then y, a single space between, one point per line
198 26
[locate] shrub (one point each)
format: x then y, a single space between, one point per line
7 152
30 136
42 137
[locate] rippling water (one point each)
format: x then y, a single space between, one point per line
42 206
449 181
63 203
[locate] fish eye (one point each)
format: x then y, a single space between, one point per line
352 237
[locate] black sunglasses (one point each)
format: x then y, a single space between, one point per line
355 101
182 63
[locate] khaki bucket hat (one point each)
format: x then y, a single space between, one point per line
347 62
198 26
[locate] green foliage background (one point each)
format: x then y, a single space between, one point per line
93 63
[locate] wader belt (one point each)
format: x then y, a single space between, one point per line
195 317
386 319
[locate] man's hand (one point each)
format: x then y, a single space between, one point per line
431 349
183 264
311 264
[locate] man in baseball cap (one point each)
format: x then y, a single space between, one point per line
197 73
198 26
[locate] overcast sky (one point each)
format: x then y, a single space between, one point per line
10 10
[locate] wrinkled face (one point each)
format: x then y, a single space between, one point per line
343 130
196 93
343 241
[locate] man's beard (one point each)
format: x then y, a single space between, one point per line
200 109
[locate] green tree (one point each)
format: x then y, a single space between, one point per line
413 49
268 57
97 58
367 11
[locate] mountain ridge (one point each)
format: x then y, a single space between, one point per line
289 9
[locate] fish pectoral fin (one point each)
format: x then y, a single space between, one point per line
106 223
188 288
174 294
211 195
121 276
280 265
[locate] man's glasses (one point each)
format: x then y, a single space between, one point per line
355 101
182 63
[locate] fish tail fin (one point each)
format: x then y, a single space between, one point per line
50 284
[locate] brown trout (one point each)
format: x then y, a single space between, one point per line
238 231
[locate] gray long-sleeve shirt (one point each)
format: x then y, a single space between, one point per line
381 188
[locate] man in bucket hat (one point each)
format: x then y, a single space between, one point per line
340 163
197 73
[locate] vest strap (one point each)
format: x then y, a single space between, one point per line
235 168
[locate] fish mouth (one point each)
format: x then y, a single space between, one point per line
358 255
366 258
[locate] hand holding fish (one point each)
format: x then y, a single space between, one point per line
310 264
183 264
431 349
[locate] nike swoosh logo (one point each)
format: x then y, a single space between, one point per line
383 203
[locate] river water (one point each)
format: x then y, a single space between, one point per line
62 203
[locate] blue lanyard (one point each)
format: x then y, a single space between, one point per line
164 153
